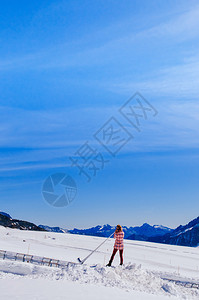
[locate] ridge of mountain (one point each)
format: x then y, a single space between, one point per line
19 224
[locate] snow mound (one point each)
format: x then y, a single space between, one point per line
128 277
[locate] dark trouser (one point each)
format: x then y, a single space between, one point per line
113 254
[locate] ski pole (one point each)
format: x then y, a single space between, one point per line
83 260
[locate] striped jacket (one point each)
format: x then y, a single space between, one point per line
119 240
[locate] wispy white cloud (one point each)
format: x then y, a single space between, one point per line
42 139
181 80
60 132
176 126
180 27
32 167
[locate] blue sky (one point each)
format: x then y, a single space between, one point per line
66 68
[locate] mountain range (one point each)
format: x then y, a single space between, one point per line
139 233
184 235
187 235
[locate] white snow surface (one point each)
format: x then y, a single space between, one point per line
145 264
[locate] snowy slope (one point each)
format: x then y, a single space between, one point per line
139 278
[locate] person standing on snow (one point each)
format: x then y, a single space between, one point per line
118 236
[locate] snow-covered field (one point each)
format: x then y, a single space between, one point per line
145 264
